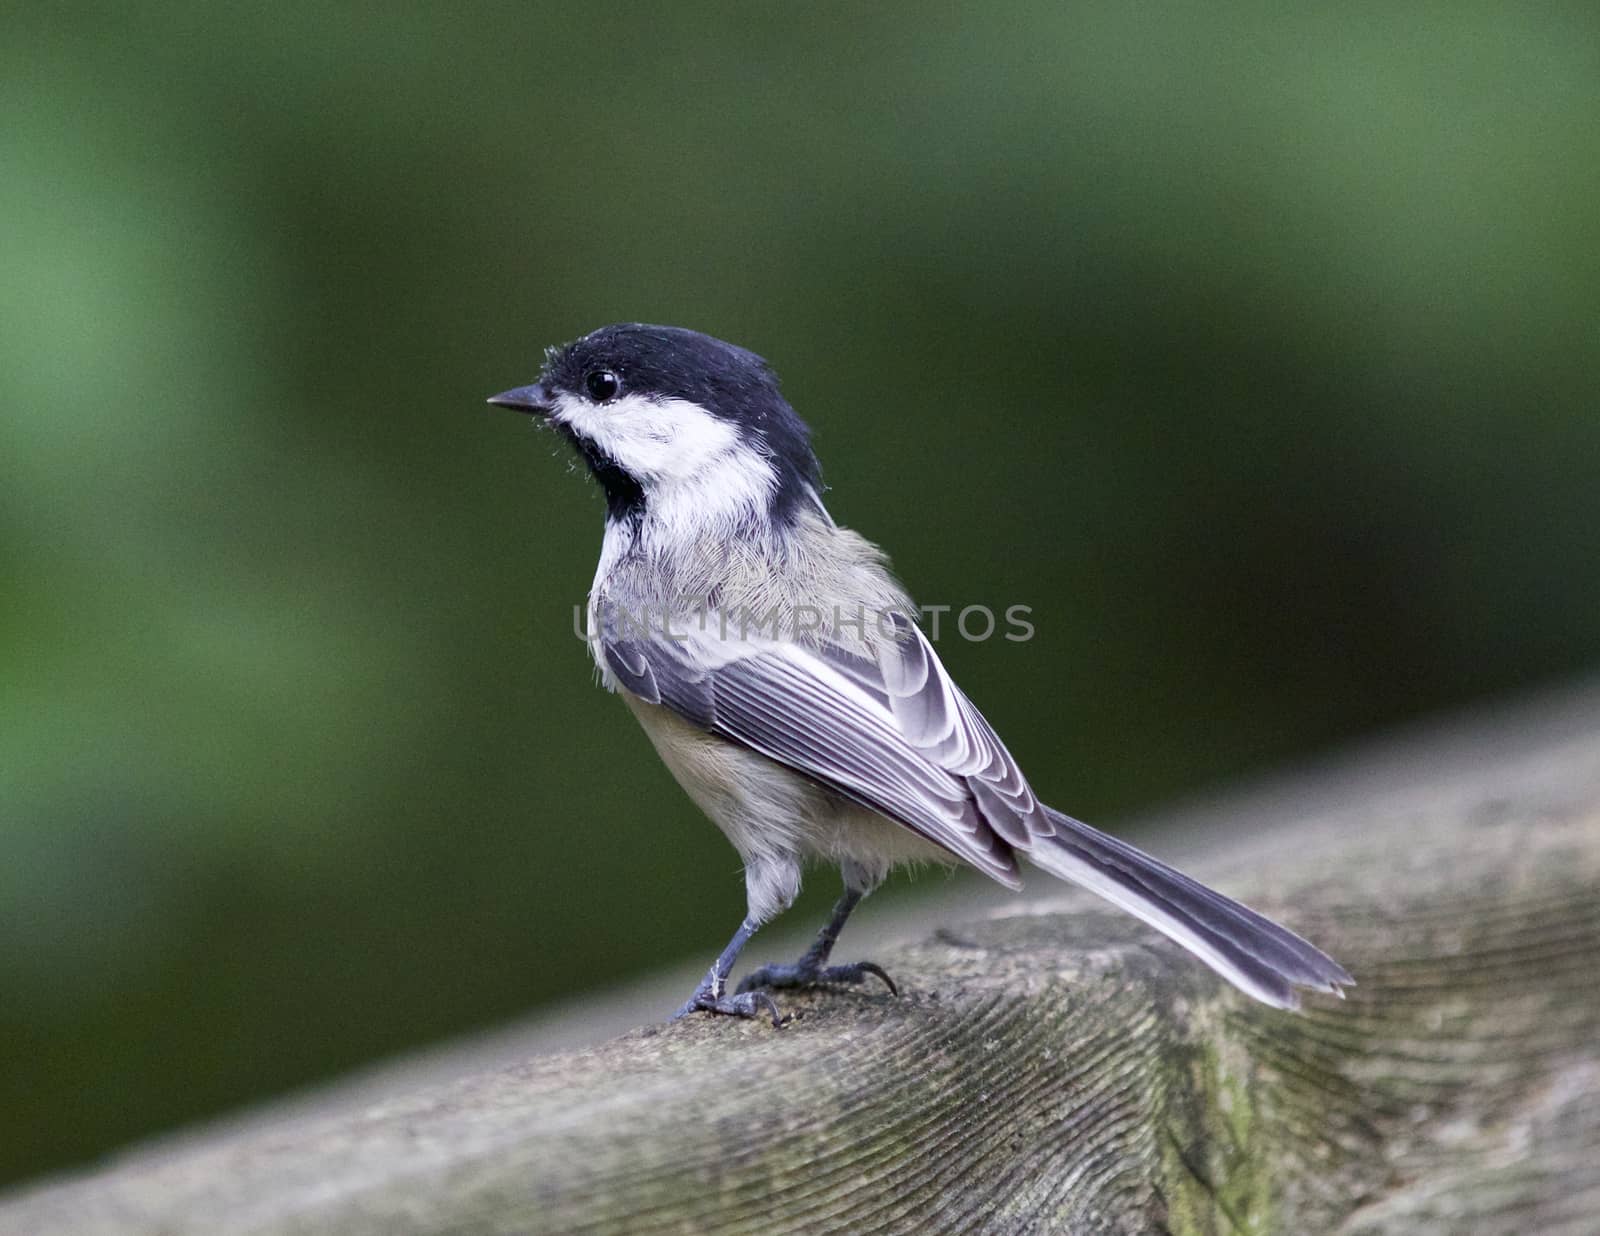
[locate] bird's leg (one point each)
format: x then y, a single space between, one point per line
711 997
812 968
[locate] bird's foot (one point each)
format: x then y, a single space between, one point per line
742 1004
810 974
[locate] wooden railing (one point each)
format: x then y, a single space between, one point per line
1058 1069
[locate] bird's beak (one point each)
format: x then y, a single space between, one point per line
530 399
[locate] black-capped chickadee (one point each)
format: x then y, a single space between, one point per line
770 657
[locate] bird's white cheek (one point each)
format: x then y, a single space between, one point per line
658 440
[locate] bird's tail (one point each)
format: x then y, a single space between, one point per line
1252 952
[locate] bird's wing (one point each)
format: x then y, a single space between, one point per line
891 733
942 724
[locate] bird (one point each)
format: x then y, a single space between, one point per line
776 665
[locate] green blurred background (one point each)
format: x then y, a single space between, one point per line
1256 354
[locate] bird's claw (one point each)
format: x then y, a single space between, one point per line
799 974
741 1004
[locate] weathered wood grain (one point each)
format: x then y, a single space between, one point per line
1060 1069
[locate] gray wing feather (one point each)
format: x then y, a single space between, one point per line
943 724
826 716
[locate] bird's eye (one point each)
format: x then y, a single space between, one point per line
602 385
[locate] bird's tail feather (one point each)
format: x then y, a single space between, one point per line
1252 952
